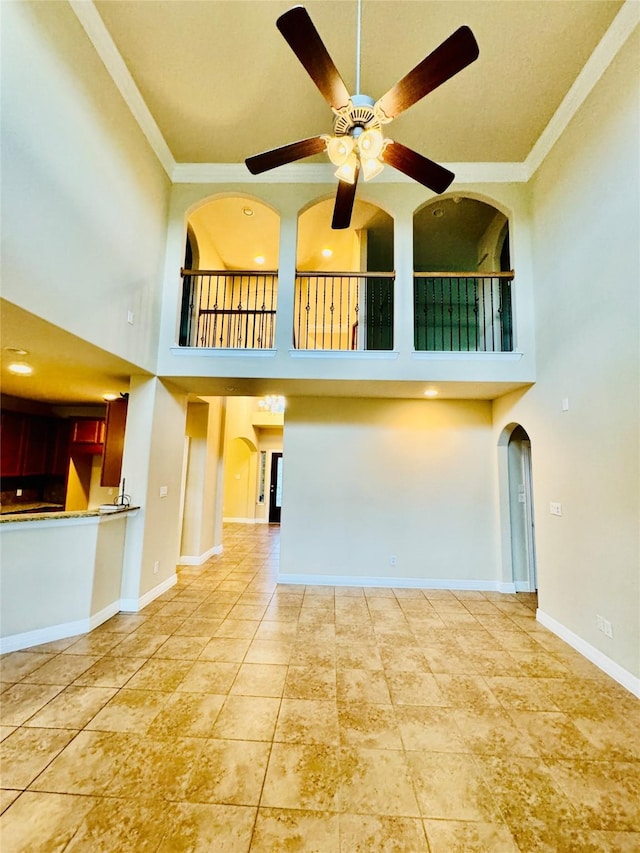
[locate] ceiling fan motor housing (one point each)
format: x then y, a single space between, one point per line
357 116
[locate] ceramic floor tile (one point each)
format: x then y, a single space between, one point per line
345 719
260 679
228 772
308 721
310 682
62 669
187 715
129 711
72 708
87 764
26 753
362 686
209 677
302 776
43 822
288 829
21 701
606 795
450 786
376 781
158 767
226 649
159 674
182 648
449 836
247 718
381 833
128 826
16 665
415 688
203 828
373 726
428 728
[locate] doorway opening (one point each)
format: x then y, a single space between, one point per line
521 511
275 490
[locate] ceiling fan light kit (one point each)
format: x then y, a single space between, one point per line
358 144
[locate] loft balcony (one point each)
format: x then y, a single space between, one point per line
347 312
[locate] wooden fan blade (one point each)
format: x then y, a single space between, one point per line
343 208
287 154
303 39
454 54
420 168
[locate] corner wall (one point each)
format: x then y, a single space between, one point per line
586 204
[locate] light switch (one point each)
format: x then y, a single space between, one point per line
164 491
565 404
555 508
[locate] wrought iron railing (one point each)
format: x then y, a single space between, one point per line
463 312
229 309
343 311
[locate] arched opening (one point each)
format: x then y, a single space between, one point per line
344 281
518 519
230 275
240 466
462 289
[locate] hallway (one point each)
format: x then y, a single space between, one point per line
235 714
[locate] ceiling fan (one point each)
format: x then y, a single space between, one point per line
357 144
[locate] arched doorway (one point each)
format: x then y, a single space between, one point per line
518 489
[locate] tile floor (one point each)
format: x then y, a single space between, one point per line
234 714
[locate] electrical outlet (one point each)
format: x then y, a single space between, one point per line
608 628
555 508
156 566
18 493
600 622
394 560
130 317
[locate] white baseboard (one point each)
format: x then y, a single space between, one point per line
134 605
198 561
398 583
245 521
15 642
617 672
523 586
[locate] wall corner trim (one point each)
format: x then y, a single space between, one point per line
134 605
610 667
199 560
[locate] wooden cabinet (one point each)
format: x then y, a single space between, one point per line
60 448
11 443
88 431
114 442
36 445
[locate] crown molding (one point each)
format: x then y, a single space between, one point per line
320 173
323 173
605 52
99 37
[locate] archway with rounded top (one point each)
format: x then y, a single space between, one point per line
462 275
344 281
230 273
517 518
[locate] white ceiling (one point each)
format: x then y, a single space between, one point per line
221 84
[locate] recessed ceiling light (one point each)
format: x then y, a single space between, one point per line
16 351
21 369
248 211
326 253
431 392
109 397
259 259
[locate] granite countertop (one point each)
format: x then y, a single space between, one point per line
51 516
34 506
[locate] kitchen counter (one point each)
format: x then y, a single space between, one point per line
39 514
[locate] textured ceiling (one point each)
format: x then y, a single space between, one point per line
222 83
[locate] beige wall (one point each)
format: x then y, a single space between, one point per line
365 480
80 183
586 224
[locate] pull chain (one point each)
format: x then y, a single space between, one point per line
358 28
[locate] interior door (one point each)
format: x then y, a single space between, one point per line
275 491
